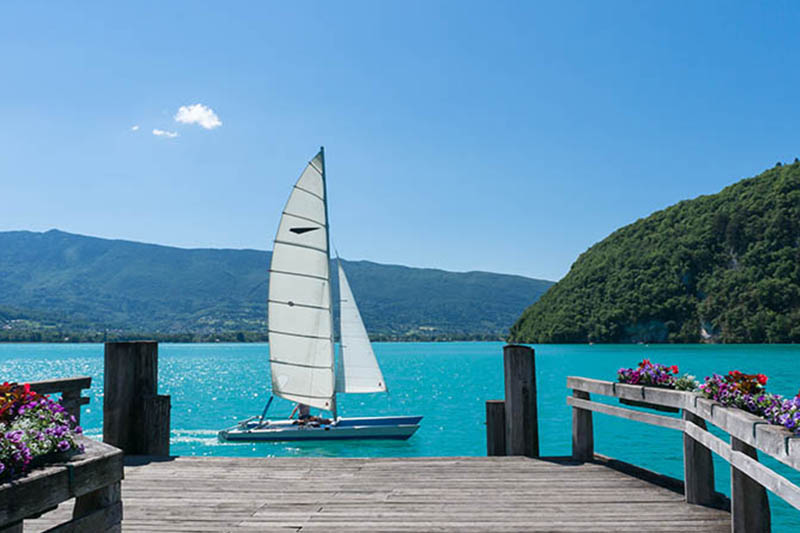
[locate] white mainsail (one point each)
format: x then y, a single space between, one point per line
358 369
300 316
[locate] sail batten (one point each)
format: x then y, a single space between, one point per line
299 307
297 188
299 245
292 304
279 362
358 370
296 274
304 218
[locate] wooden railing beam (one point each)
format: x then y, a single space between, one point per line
70 389
630 414
49 386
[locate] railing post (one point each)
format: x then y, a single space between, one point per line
495 428
70 401
582 430
522 424
130 398
749 504
698 466
100 510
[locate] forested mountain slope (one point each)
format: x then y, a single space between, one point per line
718 268
71 281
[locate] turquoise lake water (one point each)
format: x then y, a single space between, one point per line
214 385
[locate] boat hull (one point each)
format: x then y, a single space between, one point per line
395 427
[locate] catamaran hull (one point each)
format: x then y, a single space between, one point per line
397 428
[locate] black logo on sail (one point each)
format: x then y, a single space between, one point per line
300 231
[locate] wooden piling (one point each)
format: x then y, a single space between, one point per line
582 430
522 424
495 428
130 399
156 424
698 466
749 504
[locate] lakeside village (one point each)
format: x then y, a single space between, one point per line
26 330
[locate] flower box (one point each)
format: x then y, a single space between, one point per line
641 403
53 458
34 431
42 488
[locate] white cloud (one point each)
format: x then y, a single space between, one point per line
135 127
162 133
198 114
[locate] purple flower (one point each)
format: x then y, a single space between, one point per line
63 446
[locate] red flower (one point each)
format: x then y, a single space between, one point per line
674 369
762 379
735 373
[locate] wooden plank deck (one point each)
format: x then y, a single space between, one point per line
396 494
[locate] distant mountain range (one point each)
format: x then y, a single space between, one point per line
57 284
719 268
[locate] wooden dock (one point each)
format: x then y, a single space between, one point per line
512 490
395 494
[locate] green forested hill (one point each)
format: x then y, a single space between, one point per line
69 282
719 268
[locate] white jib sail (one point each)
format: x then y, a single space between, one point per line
300 319
358 369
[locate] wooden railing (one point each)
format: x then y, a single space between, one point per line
748 435
70 389
92 477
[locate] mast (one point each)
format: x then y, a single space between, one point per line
330 278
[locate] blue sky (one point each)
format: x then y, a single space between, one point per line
496 136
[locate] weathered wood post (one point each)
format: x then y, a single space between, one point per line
749 504
698 466
135 417
582 430
522 421
495 428
100 510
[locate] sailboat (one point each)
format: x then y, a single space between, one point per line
303 361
